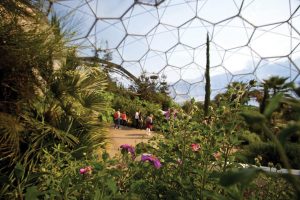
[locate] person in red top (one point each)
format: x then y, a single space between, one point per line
124 118
117 119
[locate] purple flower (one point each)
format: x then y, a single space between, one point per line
152 159
128 148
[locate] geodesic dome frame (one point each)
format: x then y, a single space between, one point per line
249 39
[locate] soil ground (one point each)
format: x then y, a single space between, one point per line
124 135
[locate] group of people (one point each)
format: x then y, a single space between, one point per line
139 121
121 119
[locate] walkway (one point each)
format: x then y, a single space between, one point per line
125 135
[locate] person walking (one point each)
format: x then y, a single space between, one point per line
136 118
149 124
117 119
124 118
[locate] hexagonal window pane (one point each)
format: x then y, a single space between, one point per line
192 73
140 19
85 48
133 48
236 31
111 31
162 38
197 91
168 12
111 8
180 55
116 57
153 61
172 73
265 11
216 55
215 11
219 78
182 87
133 67
274 40
241 60
276 67
78 14
194 32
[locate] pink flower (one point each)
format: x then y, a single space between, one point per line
82 171
195 147
86 170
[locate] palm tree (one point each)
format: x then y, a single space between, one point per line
271 87
42 106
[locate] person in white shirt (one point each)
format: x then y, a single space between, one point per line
136 118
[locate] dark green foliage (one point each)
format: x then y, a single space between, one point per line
248 137
269 153
207 80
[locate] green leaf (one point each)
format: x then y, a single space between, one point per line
273 105
97 194
19 171
243 176
32 193
253 117
105 156
288 131
111 184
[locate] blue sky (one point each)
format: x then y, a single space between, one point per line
249 38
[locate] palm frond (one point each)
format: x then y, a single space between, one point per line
10 136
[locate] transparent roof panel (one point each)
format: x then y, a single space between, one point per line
133 48
107 30
170 9
182 87
133 23
133 67
180 56
216 11
265 12
241 60
192 73
236 31
274 40
276 67
249 39
194 32
154 61
162 38
110 8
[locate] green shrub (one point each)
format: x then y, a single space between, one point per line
269 153
247 137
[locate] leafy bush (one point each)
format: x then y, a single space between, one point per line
269 153
248 137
